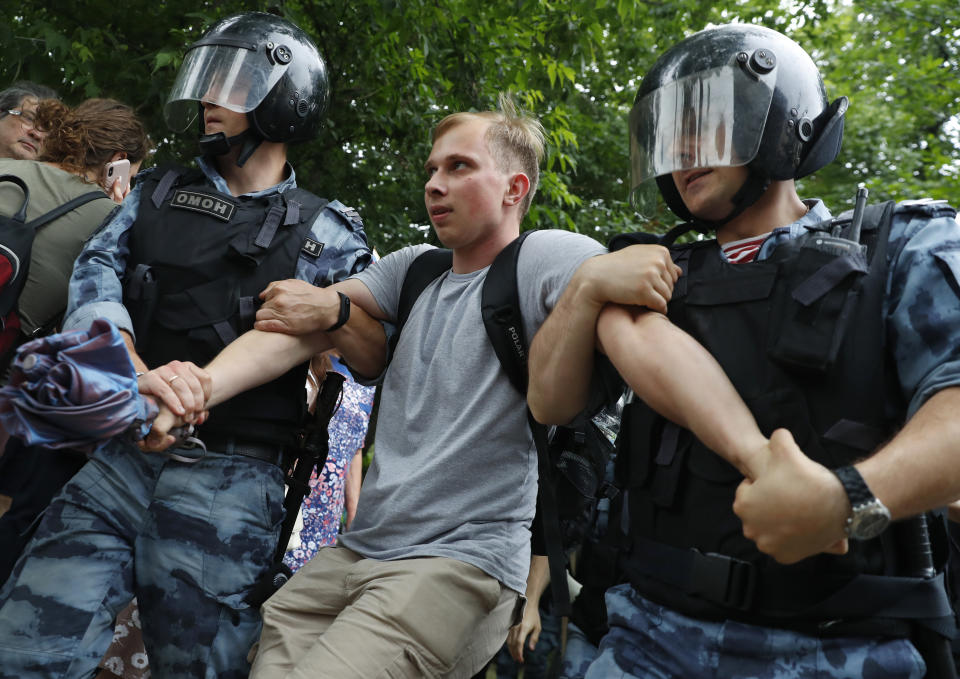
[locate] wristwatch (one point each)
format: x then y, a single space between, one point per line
344 314
868 516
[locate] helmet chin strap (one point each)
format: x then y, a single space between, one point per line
219 144
749 193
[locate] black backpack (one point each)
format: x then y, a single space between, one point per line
16 244
567 500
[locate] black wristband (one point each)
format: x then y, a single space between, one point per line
856 488
344 315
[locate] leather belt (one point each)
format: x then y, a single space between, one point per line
230 445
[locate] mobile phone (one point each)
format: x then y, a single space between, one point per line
118 170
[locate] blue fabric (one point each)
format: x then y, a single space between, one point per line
577 654
96 286
74 390
653 642
186 539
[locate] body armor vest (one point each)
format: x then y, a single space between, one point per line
801 337
198 261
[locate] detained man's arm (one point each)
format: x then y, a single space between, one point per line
181 386
295 307
673 374
252 359
530 626
561 354
257 357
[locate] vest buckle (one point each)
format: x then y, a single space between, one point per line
723 579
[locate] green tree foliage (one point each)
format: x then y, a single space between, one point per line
398 66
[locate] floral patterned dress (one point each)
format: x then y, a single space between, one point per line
323 508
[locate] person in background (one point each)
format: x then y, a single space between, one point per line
335 487
80 142
20 138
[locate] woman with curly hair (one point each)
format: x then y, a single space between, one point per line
79 144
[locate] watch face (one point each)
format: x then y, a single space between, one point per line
869 520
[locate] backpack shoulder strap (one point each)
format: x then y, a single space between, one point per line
21 214
422 271
500 308
69 206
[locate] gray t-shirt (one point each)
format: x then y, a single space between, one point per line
455 469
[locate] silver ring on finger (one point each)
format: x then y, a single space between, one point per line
175 377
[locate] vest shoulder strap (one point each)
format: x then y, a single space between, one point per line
165 177
301 205
624 240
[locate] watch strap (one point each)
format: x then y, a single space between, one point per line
856 488
344 314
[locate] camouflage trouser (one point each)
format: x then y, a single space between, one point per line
188 540
651 641
577 655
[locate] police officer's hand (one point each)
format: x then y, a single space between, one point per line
530 626
297 308
794 507
639 275
181 386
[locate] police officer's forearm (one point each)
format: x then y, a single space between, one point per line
258 357
138 363
678 378
295 307
919 469
561 355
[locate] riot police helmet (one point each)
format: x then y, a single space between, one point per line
733 95
254 63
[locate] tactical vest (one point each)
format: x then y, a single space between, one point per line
198 261
801 337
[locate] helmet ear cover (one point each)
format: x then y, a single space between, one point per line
826 148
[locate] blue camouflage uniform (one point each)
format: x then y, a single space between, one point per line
922 314
187 539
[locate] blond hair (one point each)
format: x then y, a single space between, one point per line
515 140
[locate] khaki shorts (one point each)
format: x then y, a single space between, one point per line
343 616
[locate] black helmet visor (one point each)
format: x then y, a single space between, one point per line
228 75
714 118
